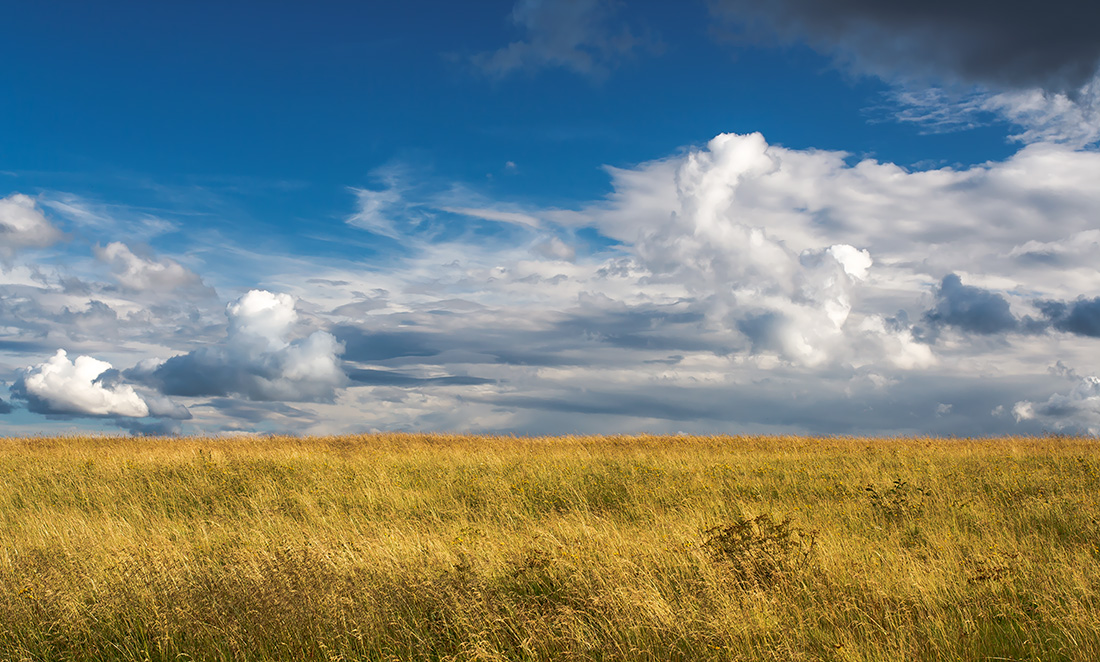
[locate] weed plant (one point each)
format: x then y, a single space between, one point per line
439 547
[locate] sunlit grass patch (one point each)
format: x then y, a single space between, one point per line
459 547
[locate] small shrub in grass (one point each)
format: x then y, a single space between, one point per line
760 550
901 501
992 568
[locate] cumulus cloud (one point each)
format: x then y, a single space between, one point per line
22 225
144 274
1077 411
257 360
1012 44
727 223
85 386
740 285
5 408
970 309
581 35
1081 317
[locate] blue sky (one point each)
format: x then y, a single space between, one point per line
550 217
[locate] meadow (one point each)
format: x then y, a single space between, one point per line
441 547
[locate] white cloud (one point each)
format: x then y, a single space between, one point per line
61 386
22 225
1051 117
146 274
553 248
380 211
497 215
1040 115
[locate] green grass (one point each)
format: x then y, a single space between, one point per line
442 547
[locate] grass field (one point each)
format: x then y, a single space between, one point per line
443 547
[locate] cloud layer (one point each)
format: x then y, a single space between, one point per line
736 286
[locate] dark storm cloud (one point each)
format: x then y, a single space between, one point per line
970 309
1081 317
980 311
1009 43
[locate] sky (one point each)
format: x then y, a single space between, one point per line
550 217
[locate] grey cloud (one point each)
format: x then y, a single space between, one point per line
1081 317
566 339
151 428
1077 411
5 408
779 402
1013 43
258 412
164 407
359 309
653 328
762 331
575 34
49 310
970 309
1062 370
363 345
27 346
371 377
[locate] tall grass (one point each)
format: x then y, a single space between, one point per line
388 547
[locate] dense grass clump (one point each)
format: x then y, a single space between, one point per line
387 547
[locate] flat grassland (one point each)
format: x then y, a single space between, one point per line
387 547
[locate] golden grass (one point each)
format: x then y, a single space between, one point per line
387 547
